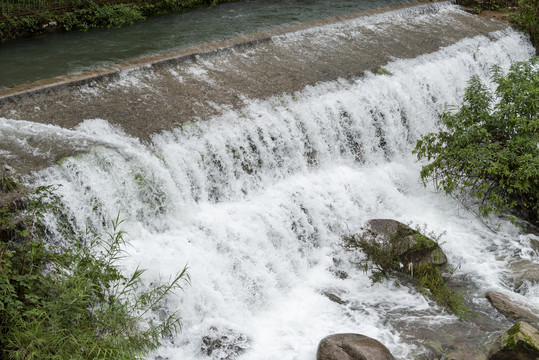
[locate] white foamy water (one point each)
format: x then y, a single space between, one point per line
255 202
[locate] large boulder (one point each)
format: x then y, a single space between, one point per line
520 342
352 347
411 246
510 307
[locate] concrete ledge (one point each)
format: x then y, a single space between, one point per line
83 77
160 92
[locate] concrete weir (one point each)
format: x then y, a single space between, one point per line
159 92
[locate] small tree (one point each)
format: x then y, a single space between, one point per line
489 149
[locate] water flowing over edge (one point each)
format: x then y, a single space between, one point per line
255 202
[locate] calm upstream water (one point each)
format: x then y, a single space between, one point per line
28 60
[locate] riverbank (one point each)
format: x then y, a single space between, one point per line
523 14
92 15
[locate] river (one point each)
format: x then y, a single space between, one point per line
56 54
255 200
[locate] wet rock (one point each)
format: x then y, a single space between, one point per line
352 347
534 245
413 246
224 344
433 350
427 354
335 269
520 342
464 354
331 296
523 271
343 275
510 307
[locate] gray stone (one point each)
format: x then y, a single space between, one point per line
520 342
352 347
523 271
464 354
224 344
331 296
510 307
534 245
411 249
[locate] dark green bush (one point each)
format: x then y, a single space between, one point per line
72 302
98 16
527 19
103 15
488 149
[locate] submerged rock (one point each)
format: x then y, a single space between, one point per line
352 347
520 342
465 353
534 244
510 307
332 297
413 247
224 344
521 272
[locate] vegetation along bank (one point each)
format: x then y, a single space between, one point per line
523 14
30 18
35 18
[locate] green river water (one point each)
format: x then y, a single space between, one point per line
28 60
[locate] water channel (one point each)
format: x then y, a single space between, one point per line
51 55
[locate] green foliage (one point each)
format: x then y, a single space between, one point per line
74 302
14 27
527 19
433 284
114 14
8 184
386 255
102 16
488 149
383 71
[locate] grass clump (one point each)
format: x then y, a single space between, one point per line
383 71
74 302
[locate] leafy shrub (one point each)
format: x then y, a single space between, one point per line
488 148
384 256
527 19
101 16
73 303
92 15
13 27
114 15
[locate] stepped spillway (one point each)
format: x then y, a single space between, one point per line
206 80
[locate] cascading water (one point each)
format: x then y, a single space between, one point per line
255 201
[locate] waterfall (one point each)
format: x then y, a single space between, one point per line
255 202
